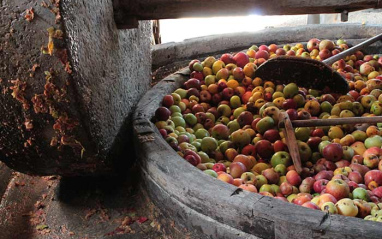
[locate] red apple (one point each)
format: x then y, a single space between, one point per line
197 75
271 175
241 59
292 113
342 163
225 177
318 133
280 52
279 146
355 177
362 169
264 48
248 187
313 44
293 178
237 169
249 150
310 205
338 188
333 152
192 83
227 58
300 200
324 175
324 54
219 167
289 104
320 185
378 192
271 135
373 175
264 148
286 188
262 54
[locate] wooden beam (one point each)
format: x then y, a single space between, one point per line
129 11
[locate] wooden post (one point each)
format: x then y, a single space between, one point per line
127 12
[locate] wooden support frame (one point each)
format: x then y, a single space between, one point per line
128 12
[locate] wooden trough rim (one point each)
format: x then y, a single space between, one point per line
215 201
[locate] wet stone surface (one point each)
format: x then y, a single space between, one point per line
54 207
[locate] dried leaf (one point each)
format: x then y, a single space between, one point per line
29 16
50 47
44 4
142 219
68 68
90 213
41 227
51 31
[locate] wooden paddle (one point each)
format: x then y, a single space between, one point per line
310 73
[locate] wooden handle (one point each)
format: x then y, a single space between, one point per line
291 141
127 12
335 121
352 50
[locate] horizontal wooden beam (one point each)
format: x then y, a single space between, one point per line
128 12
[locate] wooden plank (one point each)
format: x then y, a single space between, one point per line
129 11
291 141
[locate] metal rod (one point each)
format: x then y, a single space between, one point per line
352 50
332 122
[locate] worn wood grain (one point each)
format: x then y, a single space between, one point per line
127 12
291 140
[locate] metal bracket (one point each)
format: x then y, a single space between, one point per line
344 16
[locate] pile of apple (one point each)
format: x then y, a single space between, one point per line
224 122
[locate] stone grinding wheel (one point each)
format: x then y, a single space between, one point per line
68 92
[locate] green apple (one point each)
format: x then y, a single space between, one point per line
281 169
204 157
233 126
235 102
304 150
280 157
209 144
181 92
179 121
176 98
290 90
211 173
197 126
264 124
302 133
260 181
348 152
224 110
176 114
326 107
358 108
240 138
359 135
376 108
372 141
201 133
210 79
238 110
360 193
